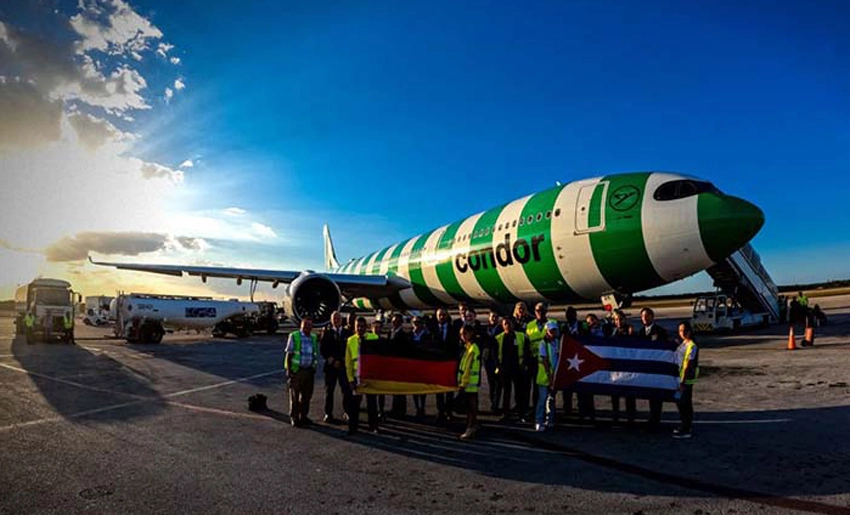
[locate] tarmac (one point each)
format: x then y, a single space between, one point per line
109 427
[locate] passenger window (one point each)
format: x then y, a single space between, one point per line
558 212
548 215
539 216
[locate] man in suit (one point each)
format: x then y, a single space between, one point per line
652 332
332 347
398 338
448 340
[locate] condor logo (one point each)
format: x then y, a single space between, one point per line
504 254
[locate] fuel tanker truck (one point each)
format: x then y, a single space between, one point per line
145 318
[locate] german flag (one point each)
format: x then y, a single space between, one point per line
405 369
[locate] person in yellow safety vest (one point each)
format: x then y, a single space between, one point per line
68 327
352 370
688 357
803 300
29 326
302 358
547 357
469 379
511 352
535 330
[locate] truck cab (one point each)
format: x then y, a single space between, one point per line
722 313
49 301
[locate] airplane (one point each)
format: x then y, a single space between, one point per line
601 238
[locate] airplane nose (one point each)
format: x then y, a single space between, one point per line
726 224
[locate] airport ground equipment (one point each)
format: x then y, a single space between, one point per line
49 300
266 319
722 313
97 310
743 277
145 317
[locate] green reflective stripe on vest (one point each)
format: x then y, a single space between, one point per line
469 372
296 351
535 335
68 322
519 341
542 376
29 321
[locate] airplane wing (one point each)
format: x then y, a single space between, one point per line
351 285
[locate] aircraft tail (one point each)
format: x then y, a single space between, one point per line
330 253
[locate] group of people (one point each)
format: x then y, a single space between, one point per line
29 322
518 354
799 312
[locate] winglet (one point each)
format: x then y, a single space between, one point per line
330 254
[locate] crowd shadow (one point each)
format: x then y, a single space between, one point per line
764 456
80 384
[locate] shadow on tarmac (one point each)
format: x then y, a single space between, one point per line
106 382
763 456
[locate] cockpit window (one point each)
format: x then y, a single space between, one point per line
683 188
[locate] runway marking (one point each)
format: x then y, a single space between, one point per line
139 398
217 411
753 421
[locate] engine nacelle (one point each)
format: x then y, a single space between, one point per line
314 295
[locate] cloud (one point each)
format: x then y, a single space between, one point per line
187 164
192 243
112 27
234 211
93 132
179 85
163 48
157 171
56 74
75 248
263 231
28 119
169 94
174 60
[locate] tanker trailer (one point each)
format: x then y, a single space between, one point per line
144 317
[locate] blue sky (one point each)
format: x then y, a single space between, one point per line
389 118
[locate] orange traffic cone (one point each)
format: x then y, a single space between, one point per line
809 339
792 343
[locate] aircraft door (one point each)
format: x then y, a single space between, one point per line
590 208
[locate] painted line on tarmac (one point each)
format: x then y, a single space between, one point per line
70 383
729 492
216 411
138 398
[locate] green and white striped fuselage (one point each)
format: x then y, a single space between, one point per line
577 241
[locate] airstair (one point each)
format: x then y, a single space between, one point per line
743 276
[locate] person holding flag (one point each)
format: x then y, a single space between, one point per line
352 370
688 357
469 379
547 357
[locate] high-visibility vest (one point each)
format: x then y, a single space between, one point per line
804 301
296 352
519 341
68 322
551 349
29 321
690 346
469 371
535 334
352 356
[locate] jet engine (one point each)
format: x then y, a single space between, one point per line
313 295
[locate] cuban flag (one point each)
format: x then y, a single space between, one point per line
627 367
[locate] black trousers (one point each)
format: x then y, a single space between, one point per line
655 408
514 380
531 383
419 404
495 386
333 376
444 404
399 405
353 410
631 408
686 408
